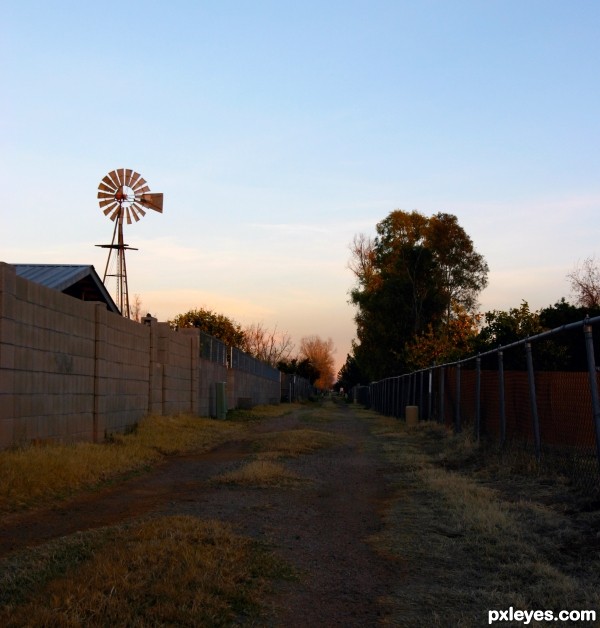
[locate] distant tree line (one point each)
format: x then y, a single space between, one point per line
314 360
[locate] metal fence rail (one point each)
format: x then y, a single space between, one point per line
213 349
296 388
245 362
554 413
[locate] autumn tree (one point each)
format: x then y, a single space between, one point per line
452 340
218 325
319 354
408 279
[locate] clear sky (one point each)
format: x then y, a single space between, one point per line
276 130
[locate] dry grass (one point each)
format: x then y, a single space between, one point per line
263 412
292 443
37 473
473 540
260 474
166 571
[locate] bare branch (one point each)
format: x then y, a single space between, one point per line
585 283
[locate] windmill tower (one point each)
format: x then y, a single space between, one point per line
123 194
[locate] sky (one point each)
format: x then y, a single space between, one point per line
277 130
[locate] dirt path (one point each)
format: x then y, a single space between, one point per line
321 527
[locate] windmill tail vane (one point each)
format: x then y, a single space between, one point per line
124 195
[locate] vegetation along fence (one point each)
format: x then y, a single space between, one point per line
539 393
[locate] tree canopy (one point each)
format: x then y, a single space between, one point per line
218 325
411 280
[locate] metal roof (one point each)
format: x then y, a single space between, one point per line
79 281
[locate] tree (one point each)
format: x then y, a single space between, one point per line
503 327
136 308
268 345
319 353
452 341
408 278
218 325
301 367
585 283
350 375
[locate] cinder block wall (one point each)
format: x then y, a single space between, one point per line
71 370
209 374
47 363
249 389
122 372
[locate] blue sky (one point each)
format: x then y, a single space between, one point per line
278 130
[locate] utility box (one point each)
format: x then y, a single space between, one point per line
221 400
412 415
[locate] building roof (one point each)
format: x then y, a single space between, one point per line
79 281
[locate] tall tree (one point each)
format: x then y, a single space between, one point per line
409 278
319 353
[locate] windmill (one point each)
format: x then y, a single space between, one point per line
123 195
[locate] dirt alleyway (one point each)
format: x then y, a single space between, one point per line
319 526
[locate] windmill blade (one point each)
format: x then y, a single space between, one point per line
121 173
139 193
106 195
133 181
116 213
138 208
106 188
128 173
109 182
134 213
128 215
139 183
114 175
107 201
153 201
110 208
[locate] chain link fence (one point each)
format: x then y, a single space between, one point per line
539 395
244 362
212 349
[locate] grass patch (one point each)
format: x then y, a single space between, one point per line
165 571
472 539
261 412
35 474
292 443
260 474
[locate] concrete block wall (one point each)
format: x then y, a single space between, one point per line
122 372
71 370
249 389
178 353
209 374
47 363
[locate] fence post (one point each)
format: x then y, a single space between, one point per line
430 395
477 397
420 404
589 347
533 399
457 425
502 406
442 417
